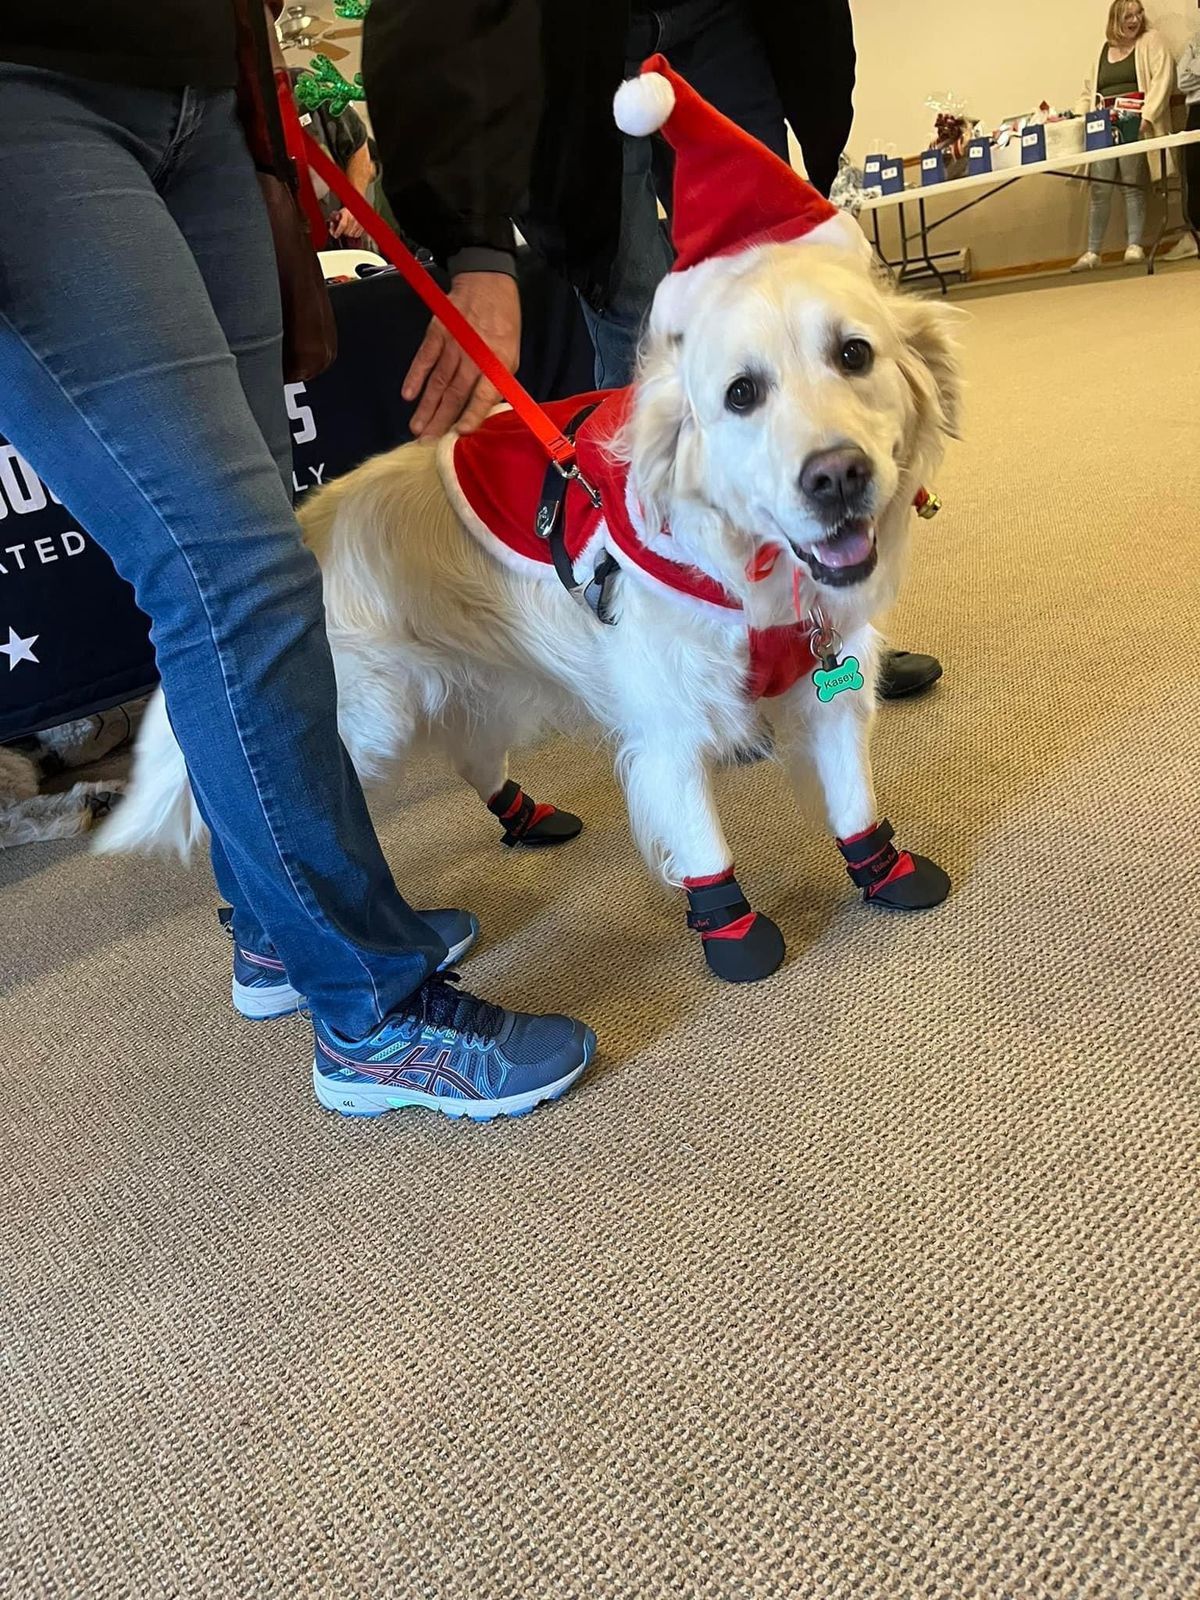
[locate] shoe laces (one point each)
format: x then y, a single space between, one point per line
441 1003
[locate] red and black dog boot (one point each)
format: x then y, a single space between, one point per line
528 823
740 945
891 877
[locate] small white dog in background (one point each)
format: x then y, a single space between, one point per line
775 446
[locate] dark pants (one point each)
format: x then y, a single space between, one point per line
140 376
1191 169
715 46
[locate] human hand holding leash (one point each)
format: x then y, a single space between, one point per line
453 392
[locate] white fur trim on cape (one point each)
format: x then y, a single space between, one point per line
641 105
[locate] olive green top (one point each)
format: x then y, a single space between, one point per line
1116 77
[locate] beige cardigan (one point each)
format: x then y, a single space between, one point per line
1155 78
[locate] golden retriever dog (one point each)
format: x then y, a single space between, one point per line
772 452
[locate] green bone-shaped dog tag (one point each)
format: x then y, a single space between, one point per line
841 678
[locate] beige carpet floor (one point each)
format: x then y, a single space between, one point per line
878 1280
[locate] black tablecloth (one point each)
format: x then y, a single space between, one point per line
72 639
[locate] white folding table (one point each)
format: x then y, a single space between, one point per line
921 263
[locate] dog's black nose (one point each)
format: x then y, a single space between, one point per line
834 480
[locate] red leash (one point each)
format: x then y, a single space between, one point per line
307 153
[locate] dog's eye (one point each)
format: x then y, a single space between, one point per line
856 355
743 394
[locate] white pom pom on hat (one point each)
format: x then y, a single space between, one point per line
642 105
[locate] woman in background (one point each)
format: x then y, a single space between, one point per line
1134 60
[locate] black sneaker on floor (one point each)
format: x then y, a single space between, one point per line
904 673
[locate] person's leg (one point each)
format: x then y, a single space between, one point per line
715 45
1187 246
1100 195
1135 173
1191 170
117 381
644 252
230 267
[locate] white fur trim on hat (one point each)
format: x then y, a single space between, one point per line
842 232
641 105
673 306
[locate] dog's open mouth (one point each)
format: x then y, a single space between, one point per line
844 557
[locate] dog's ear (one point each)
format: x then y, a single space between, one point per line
930 360
659 427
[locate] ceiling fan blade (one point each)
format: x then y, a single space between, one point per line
344 33
333 51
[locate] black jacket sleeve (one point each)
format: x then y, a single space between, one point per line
811 48
454 90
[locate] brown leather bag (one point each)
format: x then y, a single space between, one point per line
309 330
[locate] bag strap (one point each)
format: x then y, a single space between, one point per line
256 13
297 141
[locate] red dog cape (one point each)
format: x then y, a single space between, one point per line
498 474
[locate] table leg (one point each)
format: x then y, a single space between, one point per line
902 223
877 244
929 261
1165 190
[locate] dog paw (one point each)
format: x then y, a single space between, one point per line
926 885
755 953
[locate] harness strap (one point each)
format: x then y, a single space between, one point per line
870 856
551 521
714 906
598 590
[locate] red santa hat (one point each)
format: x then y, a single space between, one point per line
732 194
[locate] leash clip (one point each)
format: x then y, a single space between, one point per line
572 474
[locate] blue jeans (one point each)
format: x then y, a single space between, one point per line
714 45
1132 170
140 375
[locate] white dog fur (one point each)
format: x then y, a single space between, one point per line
430 632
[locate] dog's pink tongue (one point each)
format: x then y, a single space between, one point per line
848 549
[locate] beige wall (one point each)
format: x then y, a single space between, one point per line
1002 57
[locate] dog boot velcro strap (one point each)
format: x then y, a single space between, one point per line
740 945
717 905
526 822
891 877
870 856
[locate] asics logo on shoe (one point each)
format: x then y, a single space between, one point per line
418 1067
253 959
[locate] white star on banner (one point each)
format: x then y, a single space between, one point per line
18 649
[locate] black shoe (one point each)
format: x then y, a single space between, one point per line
904 673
